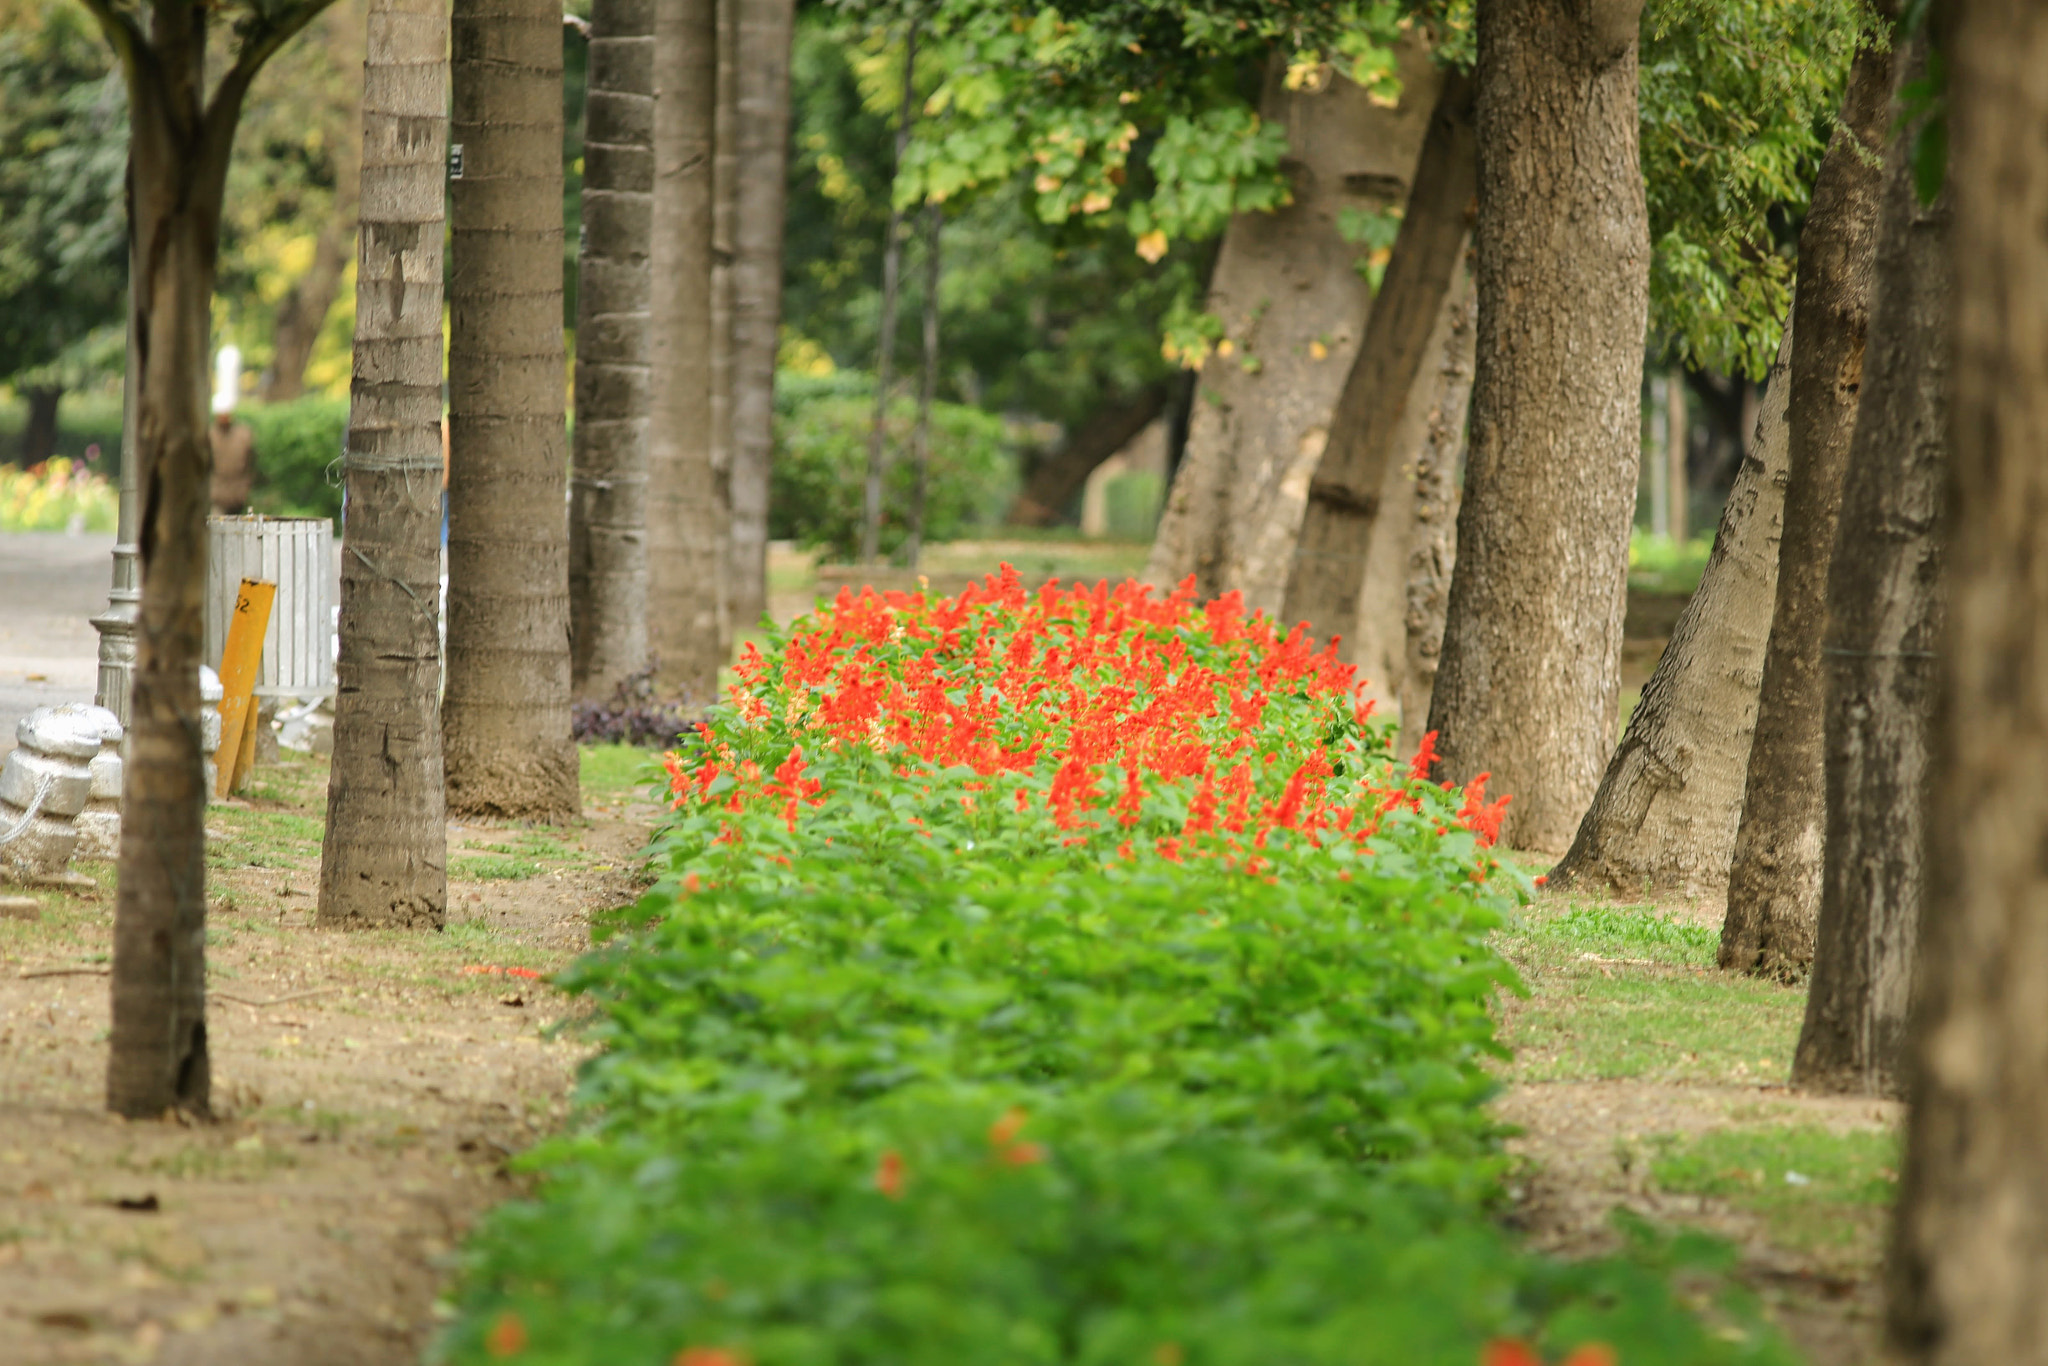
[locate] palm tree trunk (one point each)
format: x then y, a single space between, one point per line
685 501
885 342
762 103
608 502
506 716
384 855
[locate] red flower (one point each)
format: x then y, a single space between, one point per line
1508 1352
1425 758
507 1337
709 1356
889 1174
1593 1354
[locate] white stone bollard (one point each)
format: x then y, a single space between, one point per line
210 694
44 784
99 824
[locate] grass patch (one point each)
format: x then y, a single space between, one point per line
1814 1188
262 839
612 773
492 868
1628 992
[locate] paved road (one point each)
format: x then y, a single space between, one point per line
50 584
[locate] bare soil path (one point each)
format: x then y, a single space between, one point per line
368 1088
1646 1080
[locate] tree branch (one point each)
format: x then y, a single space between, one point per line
1613 26
260 38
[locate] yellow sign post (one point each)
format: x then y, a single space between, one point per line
239 660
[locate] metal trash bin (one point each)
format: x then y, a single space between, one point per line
296 554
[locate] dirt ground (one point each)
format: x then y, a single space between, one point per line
1585 1150
368 1090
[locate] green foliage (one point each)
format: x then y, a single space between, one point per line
821 456
297 445
63 229
1658 564
1738 101
1036 318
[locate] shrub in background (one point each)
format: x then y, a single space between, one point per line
297 443
821 461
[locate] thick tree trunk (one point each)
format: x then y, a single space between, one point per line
1433 530
1774 875
1329 564
725 176
1970 1246
1531 668
1663 822
384 856
608 492
1377 638
766 30
39 433
1294 307
1884 622
179 145
1055 482
686 499
506 715
885 341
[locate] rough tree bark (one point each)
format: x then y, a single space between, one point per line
885 340
179 144
1056 480
505 717
725 176
1884 621
766 30
608 491
1433 526
1664 818
1376 640
1531 668
1774 874
384 854
685 496
1328 568
39 433
1294 308
1970 1245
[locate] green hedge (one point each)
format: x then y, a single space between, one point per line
818 483
1053 978
297 445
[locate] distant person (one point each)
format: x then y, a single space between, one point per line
234 462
